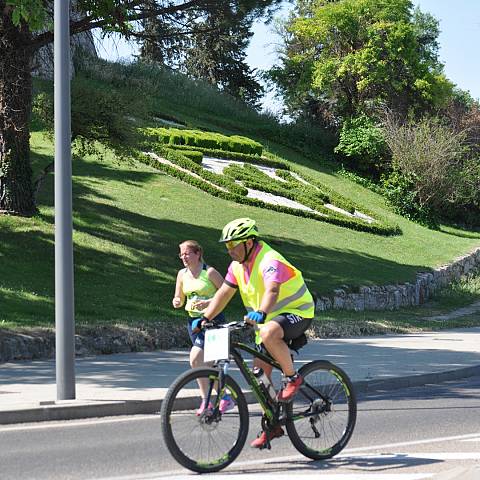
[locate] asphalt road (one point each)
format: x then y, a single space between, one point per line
411 434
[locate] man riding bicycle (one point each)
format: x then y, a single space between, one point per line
275 296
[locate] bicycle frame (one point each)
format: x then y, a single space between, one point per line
270 409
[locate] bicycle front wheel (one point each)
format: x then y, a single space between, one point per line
207 441
322 415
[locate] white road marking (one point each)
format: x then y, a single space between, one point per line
477 439
72 423
425 455
414 442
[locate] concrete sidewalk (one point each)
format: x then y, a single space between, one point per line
136 382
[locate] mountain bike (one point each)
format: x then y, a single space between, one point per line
319 420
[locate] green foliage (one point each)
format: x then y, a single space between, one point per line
218 111
29 11
98 113
344 58
365 182
362 142
208 41
461 292
43 110
217 54
432 167
400 191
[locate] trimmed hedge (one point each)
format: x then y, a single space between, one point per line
255 179
151 137
241 157
294 190
194 155
211 140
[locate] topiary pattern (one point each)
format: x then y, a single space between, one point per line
239 182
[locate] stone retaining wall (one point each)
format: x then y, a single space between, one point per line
392 297
40 342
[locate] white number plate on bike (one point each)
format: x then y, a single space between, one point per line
217 344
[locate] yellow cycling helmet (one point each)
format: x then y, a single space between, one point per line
239 229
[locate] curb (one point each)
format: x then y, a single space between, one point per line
365 386
77 409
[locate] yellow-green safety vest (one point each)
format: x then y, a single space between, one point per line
293 297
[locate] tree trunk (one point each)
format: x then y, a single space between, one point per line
16 188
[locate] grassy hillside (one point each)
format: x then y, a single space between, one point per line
129 219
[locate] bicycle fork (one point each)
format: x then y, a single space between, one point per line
219 386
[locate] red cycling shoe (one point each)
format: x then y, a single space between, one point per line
261 440
291 388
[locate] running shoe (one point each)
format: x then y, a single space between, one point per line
226 403
202 407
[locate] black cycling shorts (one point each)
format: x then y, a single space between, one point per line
293 325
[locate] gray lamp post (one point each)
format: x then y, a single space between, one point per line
64 305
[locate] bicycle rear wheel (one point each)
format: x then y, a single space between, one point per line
210 441
323 413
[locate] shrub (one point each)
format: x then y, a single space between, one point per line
399 190
98 114
362 142
364 182
434 159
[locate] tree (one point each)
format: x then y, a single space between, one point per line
342 58
25 26
218 55
213 50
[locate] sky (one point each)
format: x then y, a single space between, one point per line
459 40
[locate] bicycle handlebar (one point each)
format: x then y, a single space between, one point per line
237 325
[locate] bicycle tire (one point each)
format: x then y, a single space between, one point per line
319 429
205 443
